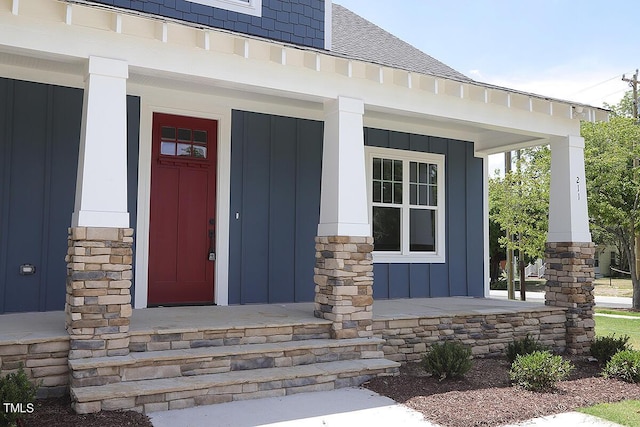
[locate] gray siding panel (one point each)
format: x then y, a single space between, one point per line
275 185
463 272
475 226
39 140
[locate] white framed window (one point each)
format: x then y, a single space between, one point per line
406 205
248 7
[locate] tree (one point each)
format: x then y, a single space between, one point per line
519 203
624 108
613 184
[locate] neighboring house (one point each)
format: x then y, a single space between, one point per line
236 152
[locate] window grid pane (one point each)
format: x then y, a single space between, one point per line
387 181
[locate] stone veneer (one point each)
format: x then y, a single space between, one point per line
98 306
344 284
569 284
44 360
408 338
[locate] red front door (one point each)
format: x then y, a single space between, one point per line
182 217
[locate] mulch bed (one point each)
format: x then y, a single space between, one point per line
484 397
58 413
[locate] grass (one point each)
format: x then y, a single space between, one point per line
613 287
626 412
611 325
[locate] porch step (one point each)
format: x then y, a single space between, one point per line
206 336
210 360
183 392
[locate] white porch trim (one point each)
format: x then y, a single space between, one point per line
568 217
343 196
101 187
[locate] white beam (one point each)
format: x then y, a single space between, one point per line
568 217
101 187
343 197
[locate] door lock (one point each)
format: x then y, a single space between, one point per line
212 256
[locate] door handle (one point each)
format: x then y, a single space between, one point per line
212 253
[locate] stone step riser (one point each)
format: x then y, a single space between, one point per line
162 401
211 364
155 341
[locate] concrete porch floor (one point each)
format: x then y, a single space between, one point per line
26 328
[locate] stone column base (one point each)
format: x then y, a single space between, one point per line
344 284
98 305
569 284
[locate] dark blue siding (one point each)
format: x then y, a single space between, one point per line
39 140
133 143
275 190
295 21
463 272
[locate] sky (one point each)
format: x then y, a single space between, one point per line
571 50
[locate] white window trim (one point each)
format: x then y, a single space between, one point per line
405 256
248 7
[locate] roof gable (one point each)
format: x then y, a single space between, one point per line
355 37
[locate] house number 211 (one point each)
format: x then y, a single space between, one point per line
578 186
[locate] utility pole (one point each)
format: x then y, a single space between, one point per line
511 291
633 82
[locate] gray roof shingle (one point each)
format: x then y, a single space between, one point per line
355 37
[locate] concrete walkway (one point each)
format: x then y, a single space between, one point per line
347 407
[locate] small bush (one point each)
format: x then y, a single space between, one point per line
539 370
603 348
15 388
447 360
624 365
527 345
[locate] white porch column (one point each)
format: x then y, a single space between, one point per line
569 250
101 188
568 217
343 200
344 265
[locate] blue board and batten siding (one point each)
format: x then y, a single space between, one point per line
275 207
292 21
463 271
39 140
275 192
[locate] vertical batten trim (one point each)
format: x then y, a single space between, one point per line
317 62
165 32
380 75
436 87
15 6
68 19
461 91
409 80
486 95
207 40
508 100
530 105
349 69
118 23
550 108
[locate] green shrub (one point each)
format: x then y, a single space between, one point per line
624 365
526 345
447 360
17 389
539 370
603 348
